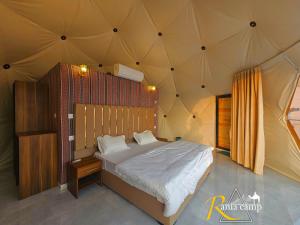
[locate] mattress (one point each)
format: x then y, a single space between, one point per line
110 161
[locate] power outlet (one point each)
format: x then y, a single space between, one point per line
63 187
71 138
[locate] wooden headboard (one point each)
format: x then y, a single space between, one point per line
92 121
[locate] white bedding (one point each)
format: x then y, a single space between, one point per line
110 161
169 172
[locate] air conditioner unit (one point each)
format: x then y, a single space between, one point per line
128 73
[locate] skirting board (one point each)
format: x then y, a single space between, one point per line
282 173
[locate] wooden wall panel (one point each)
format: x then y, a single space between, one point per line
150 119
126 121
98 120
106 119
130 123
80 126
147 125
120 117
90 126
113 120
136 119
38 163
142 119
94 120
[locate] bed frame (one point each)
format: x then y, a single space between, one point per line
144 201
92 121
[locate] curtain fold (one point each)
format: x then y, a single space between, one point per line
247 126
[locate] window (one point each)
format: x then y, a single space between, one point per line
293 115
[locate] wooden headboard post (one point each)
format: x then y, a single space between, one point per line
92 121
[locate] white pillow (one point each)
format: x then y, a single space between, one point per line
108 144
99 142
144 138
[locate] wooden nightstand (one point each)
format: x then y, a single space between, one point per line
83 173
162 139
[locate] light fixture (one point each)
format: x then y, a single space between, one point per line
83 69
6 66
151 88
252 24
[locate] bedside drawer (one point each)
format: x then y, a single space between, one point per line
89 169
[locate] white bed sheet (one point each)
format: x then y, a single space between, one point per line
170 173
110 161
172 194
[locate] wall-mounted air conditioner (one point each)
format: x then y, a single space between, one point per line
128 73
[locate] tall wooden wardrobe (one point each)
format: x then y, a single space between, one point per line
35 145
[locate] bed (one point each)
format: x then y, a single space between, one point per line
148 175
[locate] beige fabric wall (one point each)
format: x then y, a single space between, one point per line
180 122
204 41
282 153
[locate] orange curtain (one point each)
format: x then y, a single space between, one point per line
247 127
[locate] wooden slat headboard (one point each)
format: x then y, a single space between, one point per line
92 121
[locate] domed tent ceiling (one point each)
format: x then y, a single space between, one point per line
181 46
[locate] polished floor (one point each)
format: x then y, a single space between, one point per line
280 199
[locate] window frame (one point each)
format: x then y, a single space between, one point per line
289 124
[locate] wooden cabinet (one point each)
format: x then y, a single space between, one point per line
31 106
36 154
162 139
37 162
83 173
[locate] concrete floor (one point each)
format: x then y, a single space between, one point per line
280 198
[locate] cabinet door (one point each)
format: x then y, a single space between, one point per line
37 163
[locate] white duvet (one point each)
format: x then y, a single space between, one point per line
170 172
